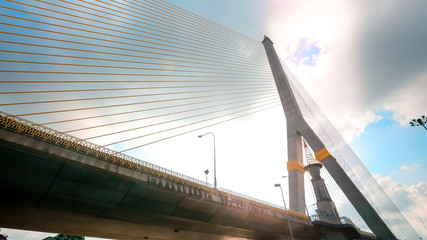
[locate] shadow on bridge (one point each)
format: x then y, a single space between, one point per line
51 185
52 182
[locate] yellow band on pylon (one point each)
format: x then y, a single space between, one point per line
295 165
322 154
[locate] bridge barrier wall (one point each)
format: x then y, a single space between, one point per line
156 175
341 221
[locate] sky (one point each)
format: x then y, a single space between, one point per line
363 62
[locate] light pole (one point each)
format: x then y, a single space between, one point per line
284 203
419 122
312 205
206 172
304 200
215 185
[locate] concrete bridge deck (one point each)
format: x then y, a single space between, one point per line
54 187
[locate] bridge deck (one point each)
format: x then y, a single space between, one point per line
54 184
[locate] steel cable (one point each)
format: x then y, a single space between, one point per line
156 108
196 129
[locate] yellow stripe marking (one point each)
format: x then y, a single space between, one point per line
295 165
322 154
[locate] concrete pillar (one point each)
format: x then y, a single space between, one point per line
293 120
296 124
325 206
296 171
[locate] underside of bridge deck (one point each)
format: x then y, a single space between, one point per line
49 188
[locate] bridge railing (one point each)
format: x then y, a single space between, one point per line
258 202
47 134
341 221
249 198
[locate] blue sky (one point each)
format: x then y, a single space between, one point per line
306 53
385 146
364 64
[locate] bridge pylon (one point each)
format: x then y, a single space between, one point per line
325 205
298 127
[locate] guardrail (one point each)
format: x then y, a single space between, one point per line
53 136
47 134
250 198
258 202
339 221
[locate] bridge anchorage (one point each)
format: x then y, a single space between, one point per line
73 69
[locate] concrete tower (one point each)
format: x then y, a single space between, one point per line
297 127
325 206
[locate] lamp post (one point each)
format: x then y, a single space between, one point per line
215 185
305 206
206 172
419 122
308 208
286 211
282 191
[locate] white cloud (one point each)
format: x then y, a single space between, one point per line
27 235
409 167
410 199
408 102
368 59
17 234
334 82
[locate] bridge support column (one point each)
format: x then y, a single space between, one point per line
325 206
296 172
296 124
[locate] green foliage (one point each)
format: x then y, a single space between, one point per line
68 237
3 236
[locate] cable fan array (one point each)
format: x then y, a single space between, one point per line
343 205
353 167
126 74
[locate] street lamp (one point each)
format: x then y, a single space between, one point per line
206 172
284 203
305 206
215 185
281 187
419 122
308 208
312 205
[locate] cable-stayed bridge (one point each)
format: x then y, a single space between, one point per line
85 85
